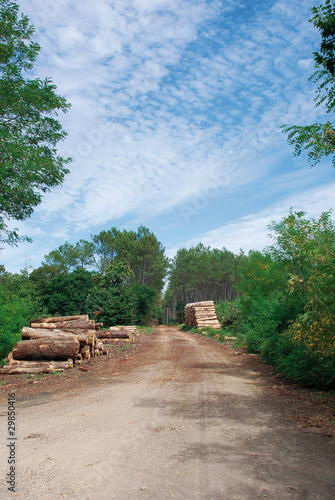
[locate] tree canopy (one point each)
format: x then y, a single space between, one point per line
29 129
318 139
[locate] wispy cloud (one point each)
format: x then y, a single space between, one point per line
172 101
251 232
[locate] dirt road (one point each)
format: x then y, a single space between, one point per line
182 418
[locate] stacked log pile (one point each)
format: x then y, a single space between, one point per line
117 334
201 314
54 344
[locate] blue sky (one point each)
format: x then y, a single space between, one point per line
175 120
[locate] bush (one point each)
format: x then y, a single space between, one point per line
19 303
287 300
66 293
229 314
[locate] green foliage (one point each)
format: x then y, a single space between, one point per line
229 314
43 275
129 263
69 256
19 302
144 300
319 139
287 300
111 300
29 131
66 293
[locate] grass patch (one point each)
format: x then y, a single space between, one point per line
220 335
146 329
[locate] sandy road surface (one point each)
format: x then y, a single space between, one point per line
186 421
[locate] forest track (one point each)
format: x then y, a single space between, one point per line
179 416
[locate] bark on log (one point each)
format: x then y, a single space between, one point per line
83 325
59 319
41 333
107 334
40 349
66 326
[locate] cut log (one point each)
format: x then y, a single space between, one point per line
65 325
85 352
83 325
40 349
59 365
14 370
41 333
10 357
115 334
109 341
48 326
41 364
85 348
105 349
83 339
59 319
202 304
92 337
130 328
